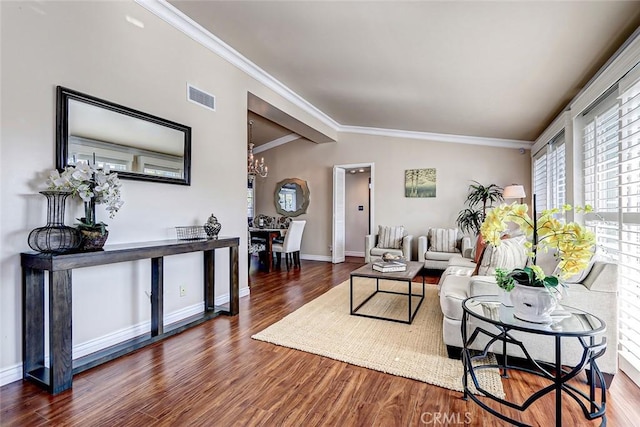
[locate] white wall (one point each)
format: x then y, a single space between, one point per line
457 165
356 221
90 47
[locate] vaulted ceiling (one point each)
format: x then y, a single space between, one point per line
501 69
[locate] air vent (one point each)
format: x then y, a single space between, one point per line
201 98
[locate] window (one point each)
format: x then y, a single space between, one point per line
540 181
250 200
611 140
549 175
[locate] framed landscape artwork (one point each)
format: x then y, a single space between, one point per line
420 182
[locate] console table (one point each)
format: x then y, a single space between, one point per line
58 376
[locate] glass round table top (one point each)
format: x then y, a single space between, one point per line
565 320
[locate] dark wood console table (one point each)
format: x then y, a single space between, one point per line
58 377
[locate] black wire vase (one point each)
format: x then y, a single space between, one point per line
55 237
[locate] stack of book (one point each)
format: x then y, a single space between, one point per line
389 266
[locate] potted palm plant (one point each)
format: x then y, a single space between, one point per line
478 200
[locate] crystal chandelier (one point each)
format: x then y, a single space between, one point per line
255 167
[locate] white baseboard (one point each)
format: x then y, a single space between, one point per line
14 373
354 253
310 257
630 365
10 374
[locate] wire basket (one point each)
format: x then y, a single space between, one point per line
191 232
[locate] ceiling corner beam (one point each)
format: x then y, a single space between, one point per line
263 108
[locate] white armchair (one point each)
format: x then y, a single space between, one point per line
436 255
373 251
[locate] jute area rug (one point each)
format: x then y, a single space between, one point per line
417 351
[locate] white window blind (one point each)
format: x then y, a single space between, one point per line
540 182
250 200
601 176
612 186
629 190
549 175
556 172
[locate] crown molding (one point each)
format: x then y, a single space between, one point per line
276 142
625 58
557 126
182 22
439 137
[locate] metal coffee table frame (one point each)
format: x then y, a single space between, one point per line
555 372
367 271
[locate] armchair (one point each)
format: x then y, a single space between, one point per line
440 245
374 247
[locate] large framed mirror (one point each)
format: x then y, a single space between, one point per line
291 197
134 144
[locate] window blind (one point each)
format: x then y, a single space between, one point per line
250 200
611 141
549 175
629 200
540 182
556 174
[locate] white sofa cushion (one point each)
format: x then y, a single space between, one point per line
509 254
443 240
382 251
440 256
390 237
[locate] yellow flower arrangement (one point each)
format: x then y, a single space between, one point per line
572 242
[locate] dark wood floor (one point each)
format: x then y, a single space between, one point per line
216 375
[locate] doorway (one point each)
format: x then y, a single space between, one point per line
353 209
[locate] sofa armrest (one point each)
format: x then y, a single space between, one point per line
369 243
406 247
603 277
467 247
460 261
483 285
422 248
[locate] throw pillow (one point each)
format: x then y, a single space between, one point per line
443 240
390 237
510 254
579 277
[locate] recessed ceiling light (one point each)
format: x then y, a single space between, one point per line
352 171
360 170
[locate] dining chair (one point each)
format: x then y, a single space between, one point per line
254 248
291 245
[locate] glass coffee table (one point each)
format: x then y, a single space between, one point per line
367 271
568 323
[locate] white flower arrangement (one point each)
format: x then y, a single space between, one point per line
93 185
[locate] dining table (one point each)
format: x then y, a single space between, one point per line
268 234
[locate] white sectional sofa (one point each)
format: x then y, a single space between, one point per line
597 293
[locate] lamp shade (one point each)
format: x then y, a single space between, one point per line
514 192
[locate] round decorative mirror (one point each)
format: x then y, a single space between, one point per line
291 197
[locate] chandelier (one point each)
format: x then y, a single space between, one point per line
255 167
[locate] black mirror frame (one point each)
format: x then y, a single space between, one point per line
63 95
305 197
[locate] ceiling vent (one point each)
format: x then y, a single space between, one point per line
202 98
